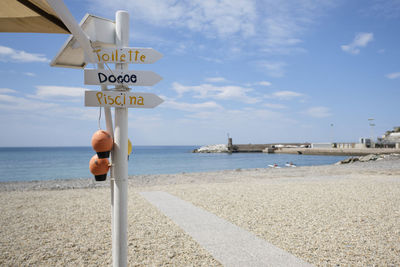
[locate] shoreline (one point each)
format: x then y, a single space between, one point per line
145 180
294 149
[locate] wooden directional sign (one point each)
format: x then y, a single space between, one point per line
125 55
119 77
121 99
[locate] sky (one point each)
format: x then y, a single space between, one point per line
259 71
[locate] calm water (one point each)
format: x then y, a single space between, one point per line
45 163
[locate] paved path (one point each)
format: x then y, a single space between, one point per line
226 242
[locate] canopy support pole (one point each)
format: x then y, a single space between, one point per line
120 156
66 17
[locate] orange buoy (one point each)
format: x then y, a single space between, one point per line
99 167
102 143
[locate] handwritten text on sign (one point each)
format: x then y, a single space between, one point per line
121 99
125 55
117 77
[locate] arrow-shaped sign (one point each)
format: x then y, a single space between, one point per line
125 55
121 99
119 77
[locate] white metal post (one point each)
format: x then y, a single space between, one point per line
120 157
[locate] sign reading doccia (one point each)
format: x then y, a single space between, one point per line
107 77
121 99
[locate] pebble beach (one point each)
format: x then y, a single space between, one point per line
332 215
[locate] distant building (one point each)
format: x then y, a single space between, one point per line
321 145
352 145
390 138
365 142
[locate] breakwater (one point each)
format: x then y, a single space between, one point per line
266 148
247 148
293 148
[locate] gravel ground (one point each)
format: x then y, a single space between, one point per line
345 222
72 228
346 215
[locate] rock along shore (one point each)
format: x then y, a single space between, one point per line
220 148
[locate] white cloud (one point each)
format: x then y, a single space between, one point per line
6 91
57 92
21 103
264 83
191 107
31 74
274 69
283 23
274 26
76 113
8 54
281 30
285 95
223 18
229 92
40 109
360 40
318 112
216 80
393 75
261 83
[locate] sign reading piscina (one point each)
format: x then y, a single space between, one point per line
121 99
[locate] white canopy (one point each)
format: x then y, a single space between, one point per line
29 16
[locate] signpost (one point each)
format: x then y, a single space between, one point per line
120 157
89 39
121 77
121 99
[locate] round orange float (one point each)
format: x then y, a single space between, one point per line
99 167
102 143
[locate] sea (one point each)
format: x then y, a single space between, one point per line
48 163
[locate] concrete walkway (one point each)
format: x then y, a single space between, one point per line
226 242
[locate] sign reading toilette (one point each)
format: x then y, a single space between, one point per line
129 55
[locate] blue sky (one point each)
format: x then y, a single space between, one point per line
262 71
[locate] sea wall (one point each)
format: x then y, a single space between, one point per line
244 148
221 148
293 149
249 148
